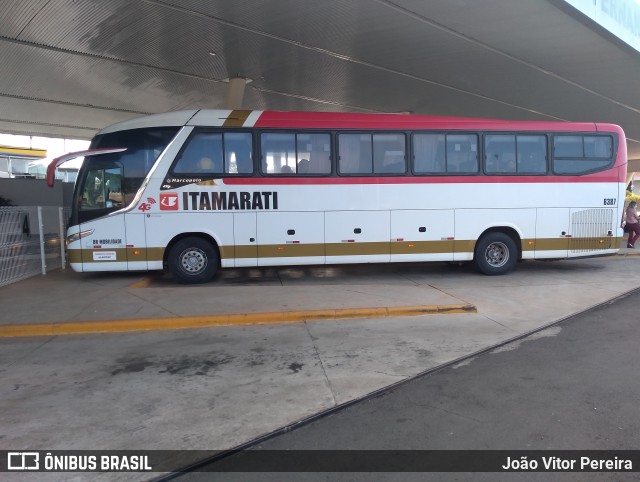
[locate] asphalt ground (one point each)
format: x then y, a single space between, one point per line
571 386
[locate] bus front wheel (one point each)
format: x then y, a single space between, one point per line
193 260
495 254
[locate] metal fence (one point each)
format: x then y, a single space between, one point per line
31 241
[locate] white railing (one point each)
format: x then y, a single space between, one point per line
31 241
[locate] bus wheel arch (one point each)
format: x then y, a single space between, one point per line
497 251
192 258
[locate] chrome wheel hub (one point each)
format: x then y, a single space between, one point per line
497 254
193 260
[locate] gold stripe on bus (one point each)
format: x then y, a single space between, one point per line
464 246
528 245
290 250
249 251
551 244
74 255
357 249
350 249
153 254
237 118
230 252
572 244
592 244
422 247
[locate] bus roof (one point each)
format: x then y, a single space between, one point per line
343 120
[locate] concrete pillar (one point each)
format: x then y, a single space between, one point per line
235 95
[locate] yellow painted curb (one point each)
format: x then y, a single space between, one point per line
68 328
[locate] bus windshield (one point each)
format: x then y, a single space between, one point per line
110 182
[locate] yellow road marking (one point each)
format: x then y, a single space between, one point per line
143 324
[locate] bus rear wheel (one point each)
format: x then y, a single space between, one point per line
193 260
496 254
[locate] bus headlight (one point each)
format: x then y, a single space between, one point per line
78 236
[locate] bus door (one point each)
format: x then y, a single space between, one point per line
422 235
552 233
245 239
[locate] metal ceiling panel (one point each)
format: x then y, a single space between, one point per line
79 64
55 118
15 15
571 49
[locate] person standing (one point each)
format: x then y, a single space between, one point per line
632 222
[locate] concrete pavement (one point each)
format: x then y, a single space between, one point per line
566 388
215 388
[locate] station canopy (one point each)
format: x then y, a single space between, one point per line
71 67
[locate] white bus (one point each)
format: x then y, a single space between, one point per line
194 191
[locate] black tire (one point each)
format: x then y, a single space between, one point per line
495 254
193 260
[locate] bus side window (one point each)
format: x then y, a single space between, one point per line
278 152
598 147
355 154
568 146
238 148
581 154
314 153
389 155
429 154
532 154
202 155
500 154
462 153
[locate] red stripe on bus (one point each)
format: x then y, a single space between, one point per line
608 176
347 120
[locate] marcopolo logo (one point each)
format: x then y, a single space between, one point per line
169 201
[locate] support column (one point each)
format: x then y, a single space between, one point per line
235 95
42 252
